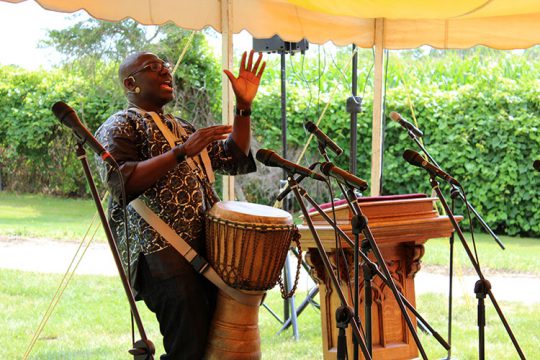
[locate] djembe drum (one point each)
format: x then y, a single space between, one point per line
247 245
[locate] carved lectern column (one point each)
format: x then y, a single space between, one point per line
400 226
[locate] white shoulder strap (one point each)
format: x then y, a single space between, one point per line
172 140
198 262
204 157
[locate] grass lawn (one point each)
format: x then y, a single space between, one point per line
69 219
91 321
42 216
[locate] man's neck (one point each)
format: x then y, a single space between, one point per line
145 106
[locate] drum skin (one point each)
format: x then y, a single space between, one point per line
247 245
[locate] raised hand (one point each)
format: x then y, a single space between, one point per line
201 138
245 86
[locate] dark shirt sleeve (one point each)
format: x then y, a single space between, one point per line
119 137
227 158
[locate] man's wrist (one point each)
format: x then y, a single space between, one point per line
179 153
243 111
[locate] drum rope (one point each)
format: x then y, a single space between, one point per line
284 293
232 261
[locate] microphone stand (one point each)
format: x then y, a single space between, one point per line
368 276
344 314
373 267
361 222
456 189
482 288
142 349
455 192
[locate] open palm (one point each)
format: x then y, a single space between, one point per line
245 86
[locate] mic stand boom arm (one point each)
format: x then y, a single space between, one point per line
456 189
326 262
372 265
482 286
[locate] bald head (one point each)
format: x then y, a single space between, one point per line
131 64
146 85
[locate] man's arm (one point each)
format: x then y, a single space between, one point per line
245 88
148 172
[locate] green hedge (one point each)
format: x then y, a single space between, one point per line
479 111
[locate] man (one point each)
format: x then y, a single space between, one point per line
173 180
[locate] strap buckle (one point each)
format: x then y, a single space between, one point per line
199 264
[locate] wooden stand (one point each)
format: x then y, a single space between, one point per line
400 226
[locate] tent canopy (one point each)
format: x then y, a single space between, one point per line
501 24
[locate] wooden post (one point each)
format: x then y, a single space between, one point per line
227 94
377 134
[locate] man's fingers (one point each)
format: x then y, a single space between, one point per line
230 75
250 61
243 62
259 58
259 74
217 129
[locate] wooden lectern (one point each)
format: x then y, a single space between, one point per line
400 224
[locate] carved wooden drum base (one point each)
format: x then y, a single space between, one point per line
234 331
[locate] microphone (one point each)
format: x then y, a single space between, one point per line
271 158
288 189
407 125
536 165
323 139
344 176
414 158
68 117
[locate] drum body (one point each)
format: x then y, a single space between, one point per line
247 245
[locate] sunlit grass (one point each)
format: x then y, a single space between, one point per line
28 215
516 258
92 322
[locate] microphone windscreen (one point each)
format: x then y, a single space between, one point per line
326 167
60 109
395 116
412 157
263 155
310 126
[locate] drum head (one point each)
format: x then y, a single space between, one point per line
250 213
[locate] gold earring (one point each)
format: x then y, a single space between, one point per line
137 90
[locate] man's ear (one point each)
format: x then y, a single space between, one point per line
129 83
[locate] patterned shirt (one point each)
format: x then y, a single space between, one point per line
180 198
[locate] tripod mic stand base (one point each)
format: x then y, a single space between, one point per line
143 350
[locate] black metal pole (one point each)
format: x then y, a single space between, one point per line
482 285
382 264
289 308
143 349
354 119
299 192
451 286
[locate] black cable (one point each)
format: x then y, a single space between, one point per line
367 75
339 251
383 120
471 227
303 79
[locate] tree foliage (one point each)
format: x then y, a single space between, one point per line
479 110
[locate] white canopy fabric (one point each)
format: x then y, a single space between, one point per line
500 24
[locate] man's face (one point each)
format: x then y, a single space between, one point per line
153 78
